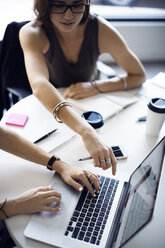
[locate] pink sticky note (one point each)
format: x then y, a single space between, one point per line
16 120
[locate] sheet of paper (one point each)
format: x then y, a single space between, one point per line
62 135
159 80
150 90
40 123
122 98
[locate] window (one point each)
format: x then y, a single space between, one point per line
141 10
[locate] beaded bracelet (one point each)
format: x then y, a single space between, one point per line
94 84
125 82
51 161
57 109
2 210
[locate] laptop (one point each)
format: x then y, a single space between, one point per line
110 219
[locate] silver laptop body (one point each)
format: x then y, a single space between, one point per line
119 211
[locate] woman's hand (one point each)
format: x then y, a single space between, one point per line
102 155
34 200
72 175
80 90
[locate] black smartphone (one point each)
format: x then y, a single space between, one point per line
119 152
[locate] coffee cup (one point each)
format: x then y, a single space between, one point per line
94 118
155 116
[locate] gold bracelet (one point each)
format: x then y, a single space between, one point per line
125 82
94 84
57 109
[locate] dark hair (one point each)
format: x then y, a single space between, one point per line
42 12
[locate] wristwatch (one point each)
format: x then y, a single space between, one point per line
51 161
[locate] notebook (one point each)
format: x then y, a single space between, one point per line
107 104
110 219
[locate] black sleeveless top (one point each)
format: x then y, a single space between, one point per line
61 72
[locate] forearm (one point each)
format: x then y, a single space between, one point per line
117 83
75 121
66 114
13 143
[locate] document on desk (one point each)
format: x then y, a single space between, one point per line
40 123
154 87
107 104
61 136
159 80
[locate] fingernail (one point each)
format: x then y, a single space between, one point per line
59 209
94 195
80 189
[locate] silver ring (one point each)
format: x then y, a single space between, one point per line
108 161
102 160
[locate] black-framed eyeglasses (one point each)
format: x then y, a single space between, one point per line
62 8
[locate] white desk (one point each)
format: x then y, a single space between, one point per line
18 175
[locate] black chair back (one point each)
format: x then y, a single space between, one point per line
13 77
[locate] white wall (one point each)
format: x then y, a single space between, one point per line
146 39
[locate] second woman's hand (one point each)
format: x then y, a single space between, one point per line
80 90
34 200
102 154
72 174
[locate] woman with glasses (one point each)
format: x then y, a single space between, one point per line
61 47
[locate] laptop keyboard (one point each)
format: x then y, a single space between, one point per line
91 213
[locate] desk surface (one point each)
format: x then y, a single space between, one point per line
122 130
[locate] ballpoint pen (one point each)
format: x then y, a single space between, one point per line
86 158
45 136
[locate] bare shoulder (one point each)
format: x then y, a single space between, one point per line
32 35
109 37
31 30
105 27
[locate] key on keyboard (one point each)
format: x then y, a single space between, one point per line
91 213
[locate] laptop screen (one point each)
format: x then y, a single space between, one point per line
142 194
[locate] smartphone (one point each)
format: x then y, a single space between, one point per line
119 152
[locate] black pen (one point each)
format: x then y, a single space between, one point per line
83 159
45 136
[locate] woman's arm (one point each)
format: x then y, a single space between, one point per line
31 201
110 41
34 44
13 143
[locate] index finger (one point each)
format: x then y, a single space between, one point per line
87 184
113 162
50 192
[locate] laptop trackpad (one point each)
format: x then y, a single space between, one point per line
50 227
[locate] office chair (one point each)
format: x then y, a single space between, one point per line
14 84
1 101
